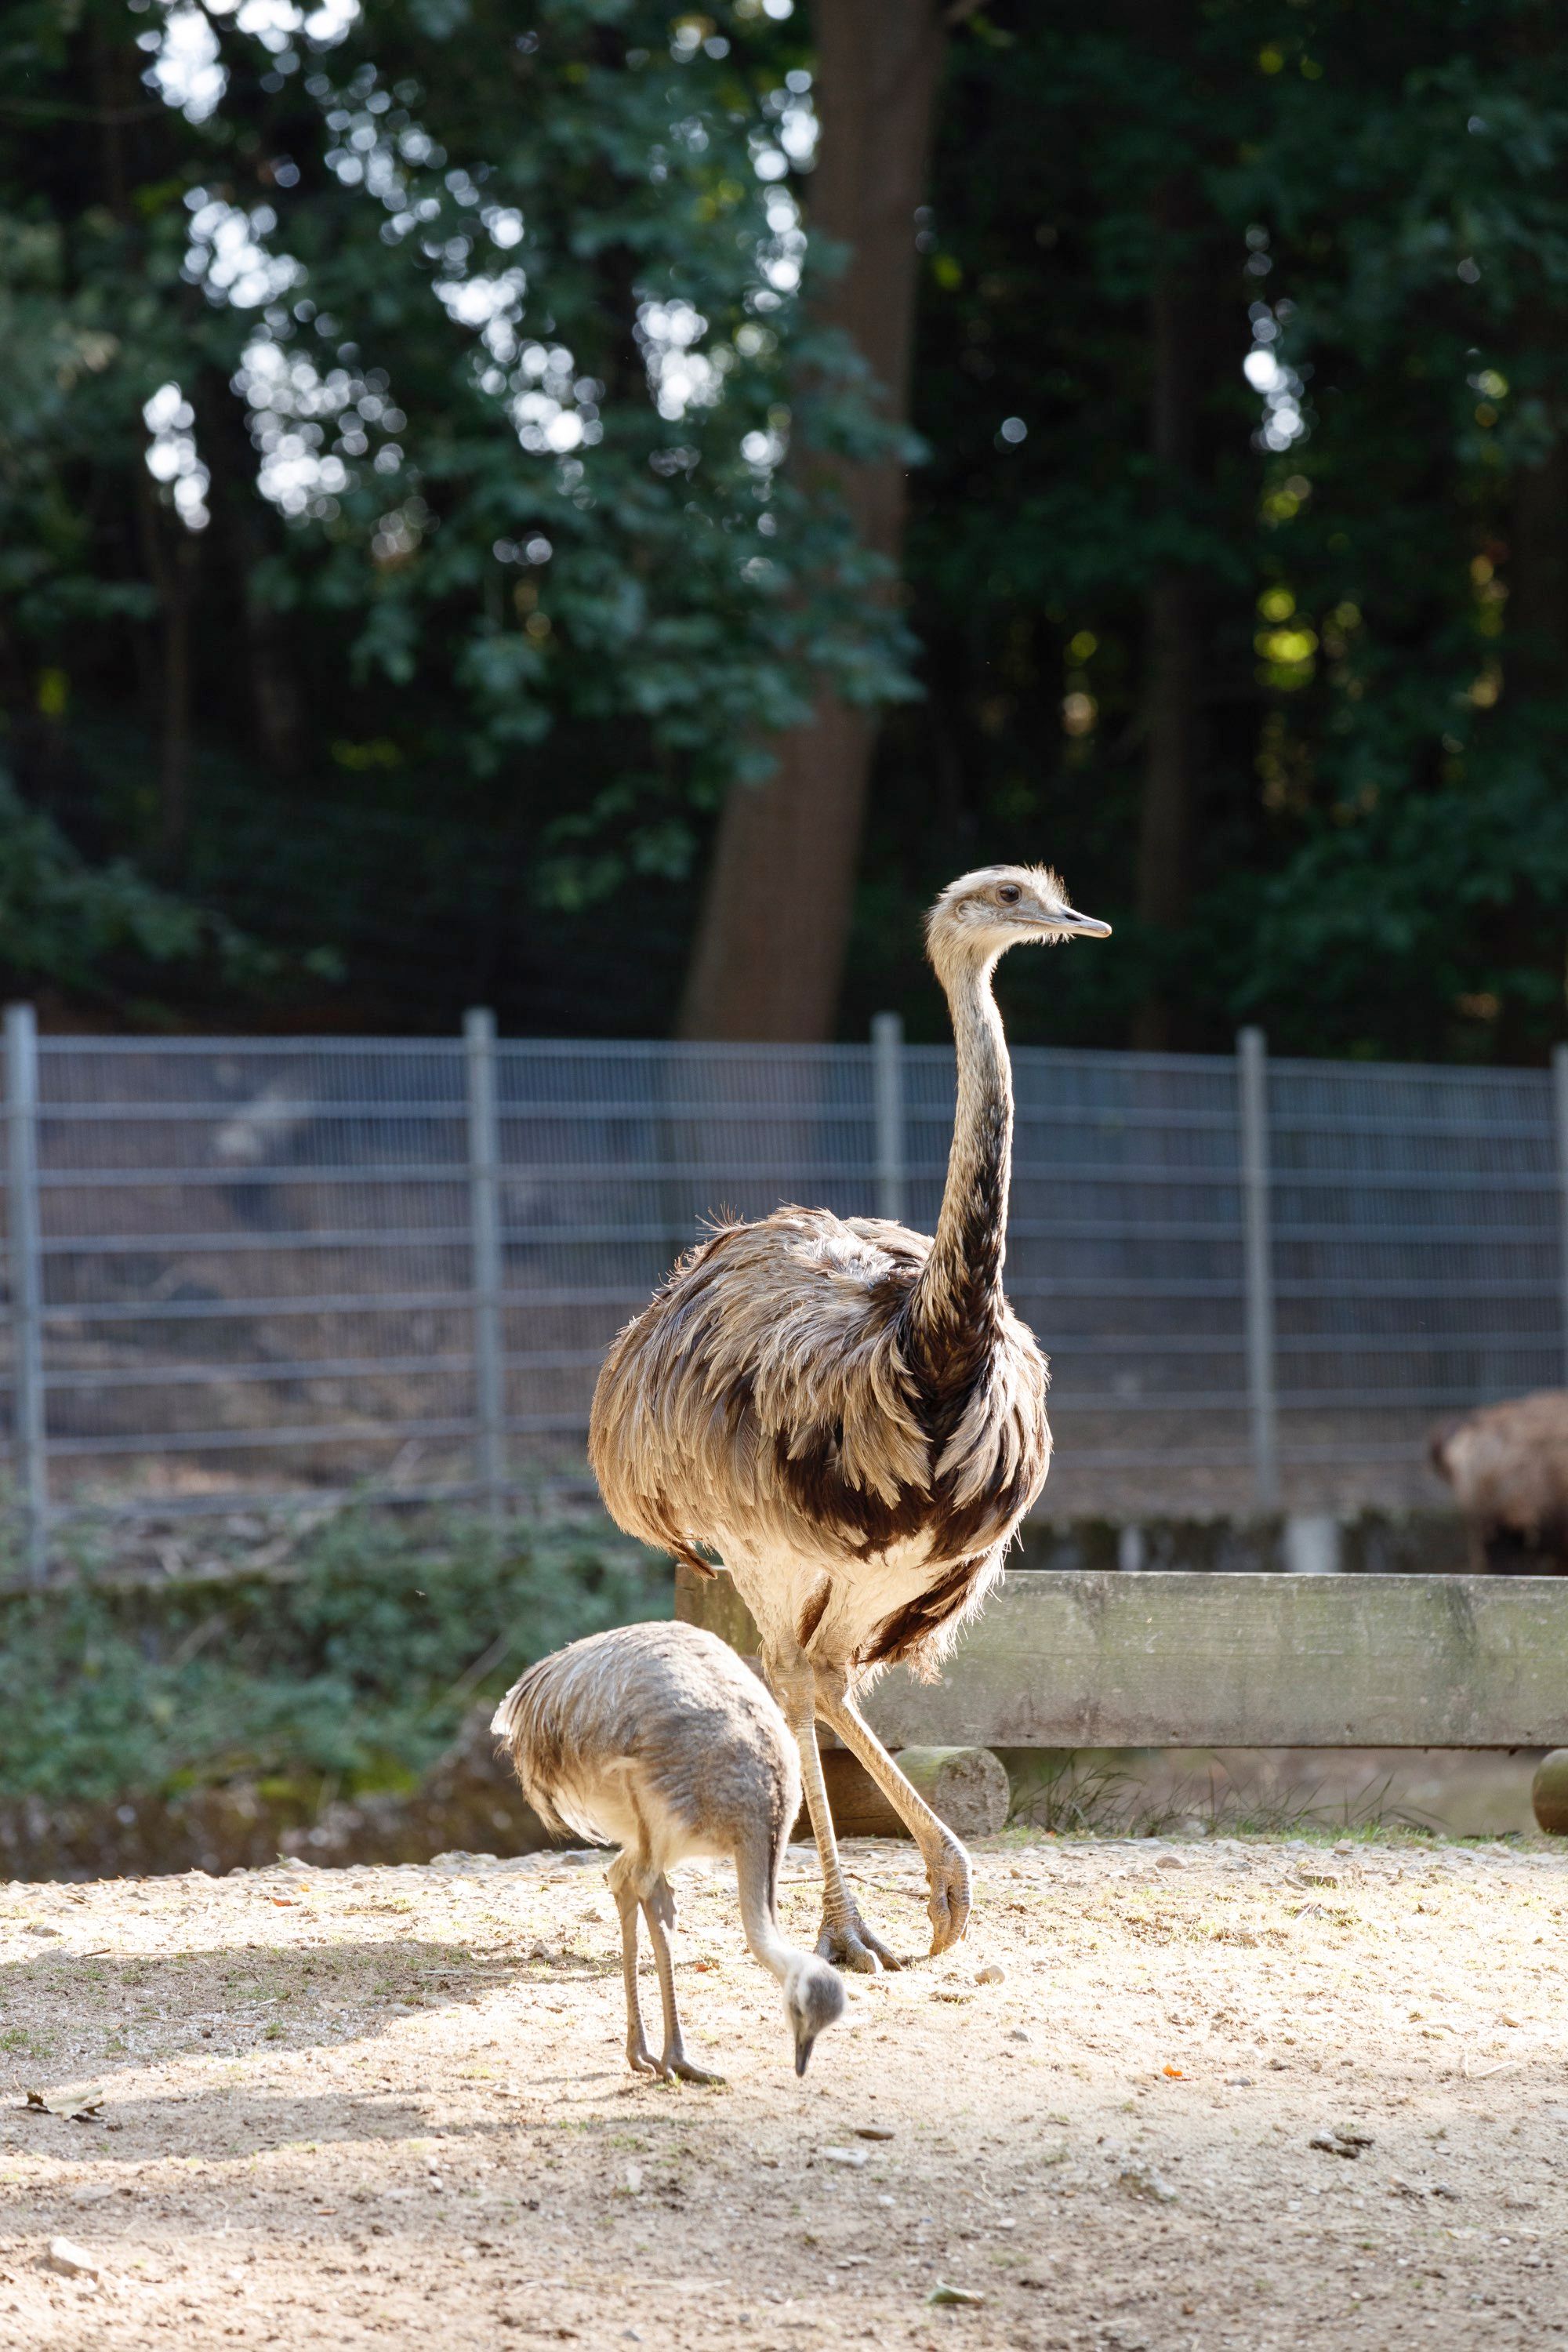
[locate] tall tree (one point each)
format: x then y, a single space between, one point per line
449 355
776 919
1376 832
462 351
1174 642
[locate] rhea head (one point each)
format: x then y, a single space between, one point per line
813 1999
981 915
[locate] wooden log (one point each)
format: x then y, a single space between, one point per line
1549 1793
713 1601
967 1788
1095 1659
857 1806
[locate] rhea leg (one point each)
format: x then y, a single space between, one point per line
658 1910
947 1863
844 1939
622 1876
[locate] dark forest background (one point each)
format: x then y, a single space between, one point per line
450 554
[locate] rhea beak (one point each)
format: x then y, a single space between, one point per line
803 2050
1075 926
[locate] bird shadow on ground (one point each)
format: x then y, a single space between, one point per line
241 2122
223 1982
238 2002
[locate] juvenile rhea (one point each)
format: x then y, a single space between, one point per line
657 1740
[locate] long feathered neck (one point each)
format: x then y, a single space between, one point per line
954 1311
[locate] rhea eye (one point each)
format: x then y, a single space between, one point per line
1009 894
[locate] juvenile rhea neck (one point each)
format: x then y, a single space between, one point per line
955 1308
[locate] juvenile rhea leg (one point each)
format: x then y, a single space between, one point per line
844 1939
947 1865
621 1875
658 1910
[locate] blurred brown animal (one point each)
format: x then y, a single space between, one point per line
1508 1466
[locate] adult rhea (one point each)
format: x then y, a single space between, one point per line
850 1416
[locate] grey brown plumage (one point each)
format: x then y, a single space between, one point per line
846 1414
657 1739
773 1386
1508 1466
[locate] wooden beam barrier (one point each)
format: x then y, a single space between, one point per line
1089 1659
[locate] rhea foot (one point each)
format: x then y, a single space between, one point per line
848 1943
639 2057
675 2066
947 1877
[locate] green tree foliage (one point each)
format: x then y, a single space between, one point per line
359 1665
1377 227
465 354
1413 758
400 299
67 921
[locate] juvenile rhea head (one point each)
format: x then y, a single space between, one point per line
983 914
814 1999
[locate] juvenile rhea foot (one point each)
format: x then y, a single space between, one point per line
639 2057
848 1943
673 2066
947 1877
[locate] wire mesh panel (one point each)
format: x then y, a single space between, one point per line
616 1158
264 1267
1124 1254
255 1260
1418 1250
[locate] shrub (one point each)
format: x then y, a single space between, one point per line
356 1664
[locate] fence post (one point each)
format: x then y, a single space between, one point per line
484 1232
1560 1093
26 1285
888 1083
1252 1092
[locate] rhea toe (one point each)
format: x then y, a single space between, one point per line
657 1740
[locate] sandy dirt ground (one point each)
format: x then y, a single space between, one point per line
1263 2094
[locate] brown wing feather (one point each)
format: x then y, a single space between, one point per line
766 1391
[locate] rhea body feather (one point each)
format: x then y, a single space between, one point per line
656 1738
848 1413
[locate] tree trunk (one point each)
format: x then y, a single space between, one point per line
174 750
775 917
1537 662
275 695
240 533
171 556
1172 640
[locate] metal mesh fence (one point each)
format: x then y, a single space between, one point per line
243 1269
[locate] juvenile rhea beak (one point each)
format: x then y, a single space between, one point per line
814 1998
